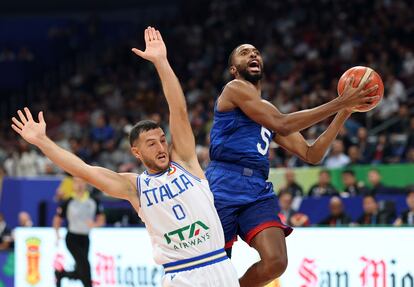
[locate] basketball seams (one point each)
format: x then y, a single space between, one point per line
364 79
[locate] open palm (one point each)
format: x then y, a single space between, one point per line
27 128
155 49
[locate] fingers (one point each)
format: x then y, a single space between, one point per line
28 114
138 52
159 37
369 91
372 99
349 83
22 117
16 129
153 34
17 123
147 35
41 118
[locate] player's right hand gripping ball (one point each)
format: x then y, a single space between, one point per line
360 72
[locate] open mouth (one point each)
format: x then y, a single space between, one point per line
254 65
162 156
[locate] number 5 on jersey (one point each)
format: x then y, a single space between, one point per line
263 147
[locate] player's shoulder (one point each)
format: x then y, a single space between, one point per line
130 176
239 84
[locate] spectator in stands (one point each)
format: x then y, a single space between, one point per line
24 162
402 125
324 186
7 55
351 185
292 186
288 215
382 151
410 155
337 216
25 220
354 156
25 55
410 140
407 217
374 178
102 132
372 215
365 148
5 234
337 158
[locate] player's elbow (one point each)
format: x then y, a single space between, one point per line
283 126
314 161
282 130
313 157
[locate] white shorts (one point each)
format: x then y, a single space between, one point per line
221 274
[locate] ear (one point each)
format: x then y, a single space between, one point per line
136 152
233 70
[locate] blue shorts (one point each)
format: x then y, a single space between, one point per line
245 202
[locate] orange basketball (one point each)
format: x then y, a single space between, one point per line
360 72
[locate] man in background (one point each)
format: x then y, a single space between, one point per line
337 216
82 213
407 217
323 186
372 215
5 234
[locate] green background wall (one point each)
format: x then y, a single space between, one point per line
398 175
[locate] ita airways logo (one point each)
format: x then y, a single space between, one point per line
189 235
33 260
307 271
374 273
172 170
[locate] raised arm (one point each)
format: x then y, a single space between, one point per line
313 153
242 94
103 179
183 142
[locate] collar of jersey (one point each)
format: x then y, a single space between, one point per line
158 173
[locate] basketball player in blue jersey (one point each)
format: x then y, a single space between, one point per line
244 125
172 196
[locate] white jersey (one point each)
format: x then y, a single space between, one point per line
178 210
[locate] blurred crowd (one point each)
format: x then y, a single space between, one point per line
375 212
306 46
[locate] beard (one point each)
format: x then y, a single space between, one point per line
152 165
252 78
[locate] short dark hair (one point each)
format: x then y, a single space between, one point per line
283 192
348 171
324 171
141 126
370 195
230 60
410 189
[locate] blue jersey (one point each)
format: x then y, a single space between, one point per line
236 139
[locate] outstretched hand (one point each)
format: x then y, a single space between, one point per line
155 49
33 132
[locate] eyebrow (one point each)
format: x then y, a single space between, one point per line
152 139
244 49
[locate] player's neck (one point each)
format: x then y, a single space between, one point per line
257 85
151 171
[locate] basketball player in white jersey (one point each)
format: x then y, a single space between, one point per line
172 197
